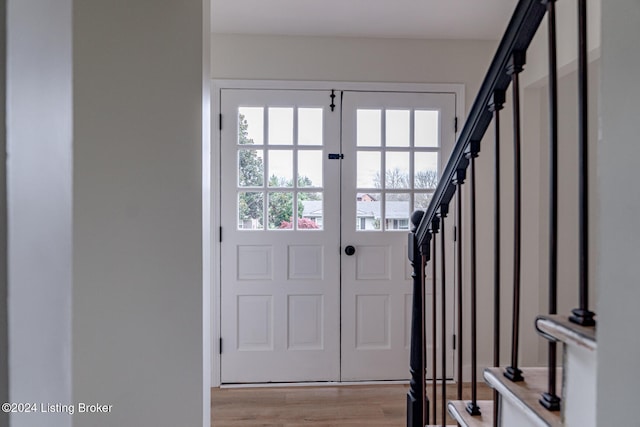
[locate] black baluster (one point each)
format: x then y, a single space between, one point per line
459 180
417 401
550 399
444 209
472 407
435 225
424 251
514 68
582 315
496 104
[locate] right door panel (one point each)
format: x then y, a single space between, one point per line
394 146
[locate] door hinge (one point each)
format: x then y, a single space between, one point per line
220 346
454 341
455 125
455 233
333 99
335 156
220 121
220 235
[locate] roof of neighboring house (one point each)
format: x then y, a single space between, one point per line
394 209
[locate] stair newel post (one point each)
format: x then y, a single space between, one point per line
444 210
582 315
495 105
458 181
472 407
514 68
417 400
550 399
435 227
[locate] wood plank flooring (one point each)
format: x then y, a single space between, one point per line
327 406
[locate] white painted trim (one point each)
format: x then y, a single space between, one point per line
321 384
458 89
312 384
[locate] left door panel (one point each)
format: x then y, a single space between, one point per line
280 275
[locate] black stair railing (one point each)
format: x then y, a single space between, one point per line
435 227
443 314
495 105
550 399
582 315
514 68
472 407
460 177
503 72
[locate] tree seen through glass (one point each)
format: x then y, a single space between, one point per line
280 205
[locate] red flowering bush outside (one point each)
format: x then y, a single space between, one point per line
303 223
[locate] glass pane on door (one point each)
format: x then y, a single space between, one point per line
407 160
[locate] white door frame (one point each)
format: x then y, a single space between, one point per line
456 88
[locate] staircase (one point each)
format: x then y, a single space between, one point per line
558 394
519 402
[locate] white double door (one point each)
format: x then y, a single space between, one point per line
315 207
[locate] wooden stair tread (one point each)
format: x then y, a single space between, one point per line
526 394
458 410
562 329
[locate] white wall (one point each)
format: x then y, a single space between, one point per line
619 206
4 338
137 306
105 103
351 59
39 141
567 41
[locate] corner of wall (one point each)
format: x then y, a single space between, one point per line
207 235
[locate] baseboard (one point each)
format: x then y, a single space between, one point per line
315 384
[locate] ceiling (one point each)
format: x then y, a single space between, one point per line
421 19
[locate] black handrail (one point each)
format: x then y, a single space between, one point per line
518 35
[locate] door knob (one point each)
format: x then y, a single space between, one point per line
349 250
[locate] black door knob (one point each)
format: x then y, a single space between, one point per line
349 250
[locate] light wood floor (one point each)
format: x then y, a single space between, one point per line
367 405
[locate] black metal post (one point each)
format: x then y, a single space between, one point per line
435 225
472 407
514 68
496 104
582 315
550 399
417 401
443 313
459 180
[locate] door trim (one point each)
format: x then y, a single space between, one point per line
458 89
